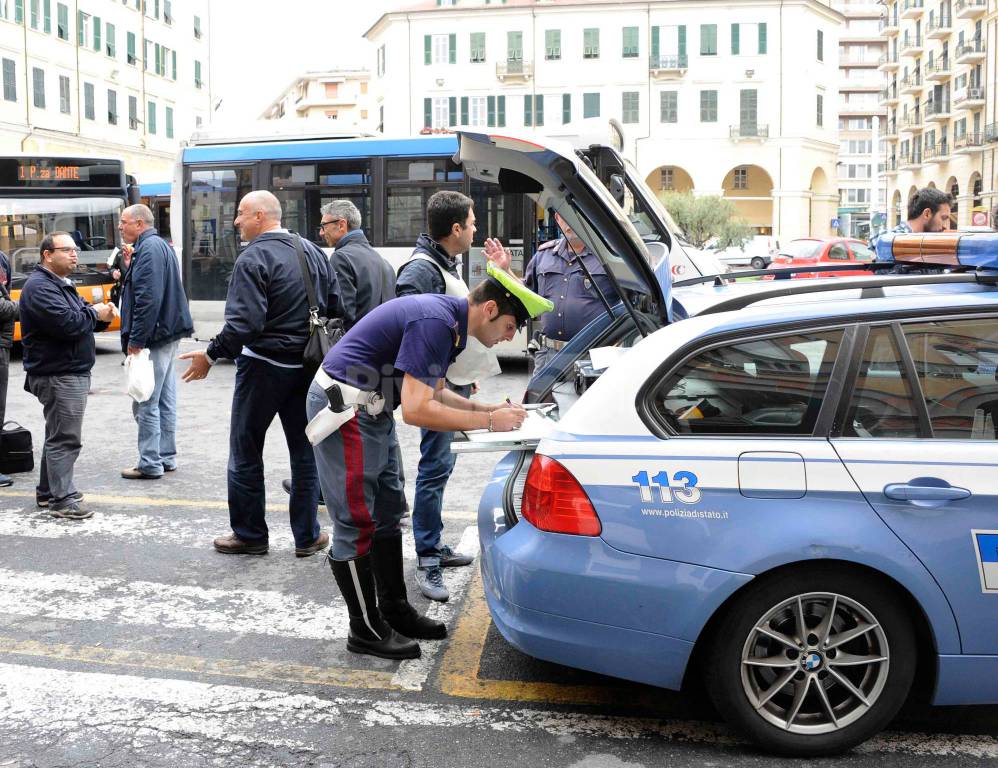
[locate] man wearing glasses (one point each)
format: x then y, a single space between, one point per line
57 331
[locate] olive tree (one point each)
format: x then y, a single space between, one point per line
706 217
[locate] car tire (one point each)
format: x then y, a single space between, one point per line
756 680
758 263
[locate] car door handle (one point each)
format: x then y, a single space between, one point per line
905 492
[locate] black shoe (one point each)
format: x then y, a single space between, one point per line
5 480
286 485
369 632
451 559
392 598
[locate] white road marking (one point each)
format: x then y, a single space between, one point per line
412 675
236 611
88 703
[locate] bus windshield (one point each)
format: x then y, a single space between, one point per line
91 221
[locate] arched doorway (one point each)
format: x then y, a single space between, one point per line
669 178
824 205
953 187
750 188
896 213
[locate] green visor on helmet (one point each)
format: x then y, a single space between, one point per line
526 303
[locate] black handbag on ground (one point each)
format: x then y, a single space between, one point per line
15 449
322 332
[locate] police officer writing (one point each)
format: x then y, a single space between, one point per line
397 355
557 274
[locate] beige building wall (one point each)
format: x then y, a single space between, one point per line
338 95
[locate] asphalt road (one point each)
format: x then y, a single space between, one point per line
125 640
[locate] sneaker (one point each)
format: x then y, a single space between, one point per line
286 485
233 545
316 546
45 501
170 469
451 559
134 473
430 580
72 511
5 480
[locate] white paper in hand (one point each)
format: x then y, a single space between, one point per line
141 379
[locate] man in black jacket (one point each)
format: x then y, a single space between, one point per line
57 331
266 327
154 316
8 316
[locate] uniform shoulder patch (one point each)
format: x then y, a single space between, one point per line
549 244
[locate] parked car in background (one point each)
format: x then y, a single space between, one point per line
814 251
758 252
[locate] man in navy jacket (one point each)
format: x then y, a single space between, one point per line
57 332
266 327
154 316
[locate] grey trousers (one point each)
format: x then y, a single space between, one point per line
4 375
64 400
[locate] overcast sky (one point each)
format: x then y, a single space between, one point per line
259 48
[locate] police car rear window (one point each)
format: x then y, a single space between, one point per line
769 386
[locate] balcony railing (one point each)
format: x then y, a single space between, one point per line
969 141
891 165
971 51
968 9
938 69
889 26
991 132
936 152
972 96
911 83
889 94
911 42
515 68
670 63
909 158
941 26
888 61
935 110
749 131
912 9
891 128
912 122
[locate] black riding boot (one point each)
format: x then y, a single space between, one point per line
392 598
369 632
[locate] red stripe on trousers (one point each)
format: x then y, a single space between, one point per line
353 458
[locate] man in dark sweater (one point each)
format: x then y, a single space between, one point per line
266 327
154 316
57 331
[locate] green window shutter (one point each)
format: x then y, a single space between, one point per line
18 11
566 108
97 25
762 37
655 45
145 54
464 110
152 117
528 112
112 49
452 49
682 40
79 27
539 110
158 52
427 49
169 122
47 6
735 39
491 105
452 111
173 57
427 113
501 113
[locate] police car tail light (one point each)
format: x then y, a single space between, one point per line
554 501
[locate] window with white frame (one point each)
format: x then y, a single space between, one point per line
441 49
441 111
477 111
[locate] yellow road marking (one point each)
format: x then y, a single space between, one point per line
168 662
459 670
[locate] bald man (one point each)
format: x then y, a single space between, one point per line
266 327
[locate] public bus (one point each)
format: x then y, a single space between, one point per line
81 196
388 179
157 197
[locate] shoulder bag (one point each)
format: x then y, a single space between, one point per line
323 332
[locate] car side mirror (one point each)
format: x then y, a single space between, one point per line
617 189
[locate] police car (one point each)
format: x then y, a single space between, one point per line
785 498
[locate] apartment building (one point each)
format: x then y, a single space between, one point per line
862 194
339 94
719 96
121 78
940 97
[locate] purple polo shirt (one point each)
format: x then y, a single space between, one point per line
419 335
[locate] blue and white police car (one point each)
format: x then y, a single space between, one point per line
788 496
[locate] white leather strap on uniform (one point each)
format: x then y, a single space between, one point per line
327 421
476 361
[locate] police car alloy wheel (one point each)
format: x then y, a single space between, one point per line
813 661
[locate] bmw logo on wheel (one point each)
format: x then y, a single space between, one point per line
811 661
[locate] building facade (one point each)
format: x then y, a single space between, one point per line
718 97
862 195
940 97
104 77
340 95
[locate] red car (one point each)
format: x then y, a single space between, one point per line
813 251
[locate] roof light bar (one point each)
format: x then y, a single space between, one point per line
977 250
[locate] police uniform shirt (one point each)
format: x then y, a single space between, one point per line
556 274
419 335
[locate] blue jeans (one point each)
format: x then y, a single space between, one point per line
263 391
436 463
157 416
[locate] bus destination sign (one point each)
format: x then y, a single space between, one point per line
46 171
